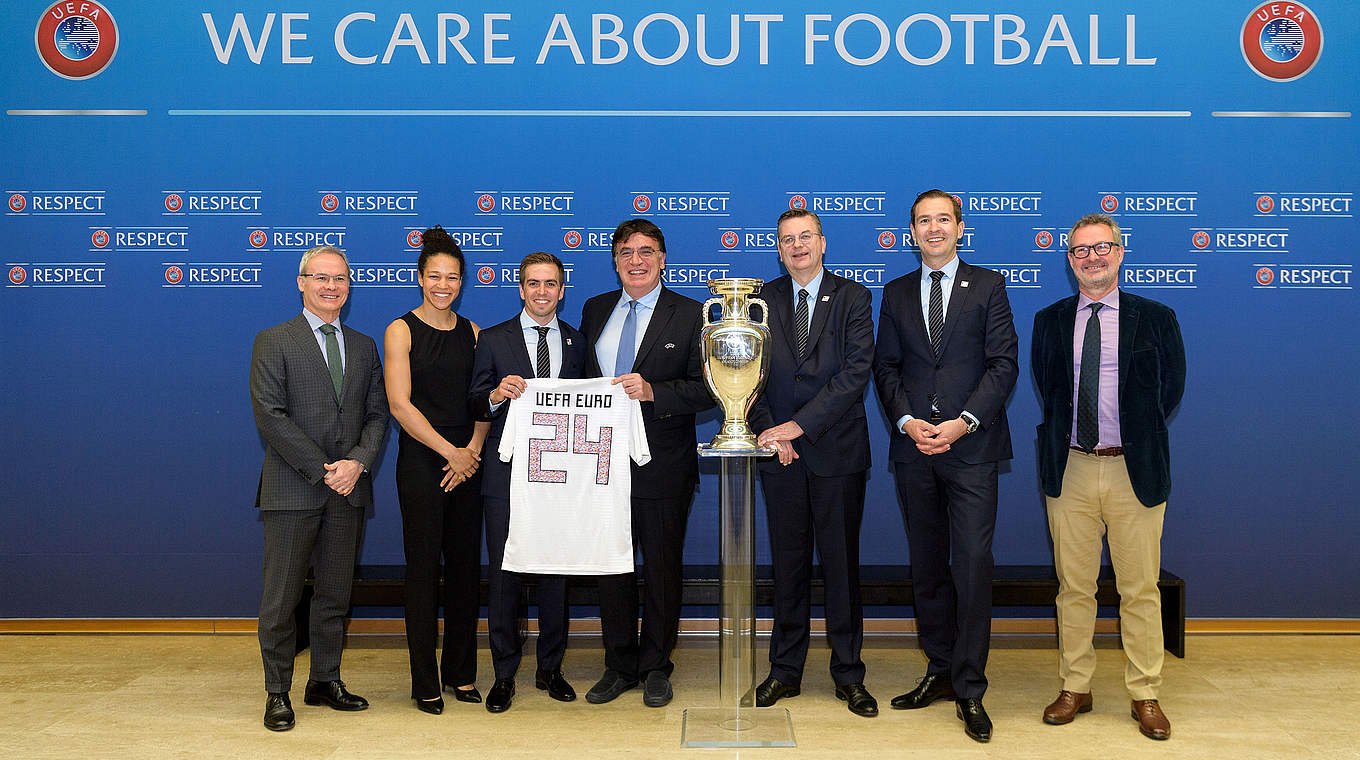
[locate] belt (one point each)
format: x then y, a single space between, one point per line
1113 451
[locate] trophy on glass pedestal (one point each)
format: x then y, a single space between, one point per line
735 365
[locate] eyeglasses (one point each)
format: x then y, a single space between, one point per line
326 279
646 254
805 238
1082 251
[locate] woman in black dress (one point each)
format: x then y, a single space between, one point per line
427 365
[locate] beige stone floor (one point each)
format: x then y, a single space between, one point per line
199 696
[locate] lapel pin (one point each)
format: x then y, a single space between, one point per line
670 345
963 283
568 341
825 299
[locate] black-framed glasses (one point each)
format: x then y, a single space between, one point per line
326 279
1102 248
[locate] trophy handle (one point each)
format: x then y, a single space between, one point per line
708 309
764 311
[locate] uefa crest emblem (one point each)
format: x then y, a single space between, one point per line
797 201
1265 204
173 202
1265 276
886 239
572 239
100 238
486 275
414 239
730 239
641 203
76 40
1281 41
1043 239
17 203
1200 240
17 275
485 203
1109 204
174 275
329 202
258 238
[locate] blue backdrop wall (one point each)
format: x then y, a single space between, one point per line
166 164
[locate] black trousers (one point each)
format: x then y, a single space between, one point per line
503 611
803 509
949 508
659 527
436 524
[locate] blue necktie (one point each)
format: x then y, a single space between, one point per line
623 360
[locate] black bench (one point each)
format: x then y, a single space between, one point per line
880 586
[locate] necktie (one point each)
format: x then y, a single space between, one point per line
623 360
936 312
333 358
544 368
800 319
1088 386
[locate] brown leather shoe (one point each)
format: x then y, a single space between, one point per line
1151 720
1065 708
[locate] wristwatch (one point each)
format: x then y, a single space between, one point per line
970 424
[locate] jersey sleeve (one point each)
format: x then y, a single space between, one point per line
507 448
637 439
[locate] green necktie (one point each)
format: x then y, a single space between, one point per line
333 358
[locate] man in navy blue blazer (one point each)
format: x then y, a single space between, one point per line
1110 368
812 412
946 363
534 343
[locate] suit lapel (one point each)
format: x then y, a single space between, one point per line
1128 325
661 316
960 295
916 322
781 312
306 340
826 301
1067 326
519 352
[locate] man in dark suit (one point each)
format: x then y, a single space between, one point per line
812 413
1118 359
534 343
945 365
646 337
316 388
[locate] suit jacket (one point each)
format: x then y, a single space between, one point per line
824 392
670 359
1151 381
975 371
501 352
303 424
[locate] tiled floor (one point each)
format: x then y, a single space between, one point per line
146 696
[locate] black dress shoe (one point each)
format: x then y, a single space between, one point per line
556 686
858 698
278 712
770 691
609 687
975 721
334 695
498 699
465 695
934 686
657 692
432 706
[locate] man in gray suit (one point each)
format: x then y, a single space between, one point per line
316 388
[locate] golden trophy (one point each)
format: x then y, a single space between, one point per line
735 360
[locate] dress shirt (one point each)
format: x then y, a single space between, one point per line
316 323
607 347
1107 410
946 289
526 326
813 287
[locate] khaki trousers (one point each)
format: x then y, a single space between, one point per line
1097 499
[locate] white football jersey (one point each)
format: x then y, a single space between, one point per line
569 442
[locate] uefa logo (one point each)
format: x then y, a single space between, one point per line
100 238
174 275
730 239
485 203
486 275
329 202
17 275
1200 240
1281 41
1265 276
797 201
258 238
886 239
76 40
173 203
1043 239
17 203
414 239
572 239
1265 204
1109 204
641 203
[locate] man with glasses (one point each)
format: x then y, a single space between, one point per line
946 364
316 388
646 337
812 413
1117 359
